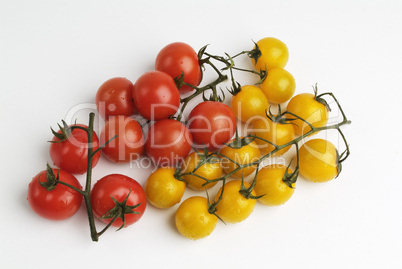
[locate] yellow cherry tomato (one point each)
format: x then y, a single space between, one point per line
246 154
234 207
318 160
275 132
308 108
279 86
274 53
249 103
163 190
193 219
270 182
211 170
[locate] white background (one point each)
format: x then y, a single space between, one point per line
55 54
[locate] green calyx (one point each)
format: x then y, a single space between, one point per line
178 175
338 162
247 192
120 210
65 132
179 80
290 178
319 99
204 158
212 207
280 117
263 75
239 142
235 89
214 96
200 54
255 53
51 179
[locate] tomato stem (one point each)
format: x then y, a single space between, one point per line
200 90
86 193
108 225
289 179
87 196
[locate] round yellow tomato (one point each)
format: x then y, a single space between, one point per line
210 170
308 108
245 154
279 86
274 53
234 207
193 219
270 182
249 103
163 190
318 160
275 132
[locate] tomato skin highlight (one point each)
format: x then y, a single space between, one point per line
234 207
114 97
118 186
156 96
305 106
279 86
212 124
58 204
274 53
71 155
318 160
163 190
168 142
249 104
270 184
129 143
193 219
179 57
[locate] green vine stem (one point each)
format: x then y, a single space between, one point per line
229 65
201 90
228 61
86 193
290 179
205 59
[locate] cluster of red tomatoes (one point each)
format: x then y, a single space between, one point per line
220 154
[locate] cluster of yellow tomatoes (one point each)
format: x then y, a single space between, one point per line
268 135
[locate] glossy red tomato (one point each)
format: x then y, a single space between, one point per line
156 96
129 143
177 58
168 142
212 124
119 187
58 204
71 154
114 97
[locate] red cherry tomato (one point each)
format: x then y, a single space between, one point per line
119 187
212 124
71 154
180 57
168 142
114 97
129 143
156 96
58 204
